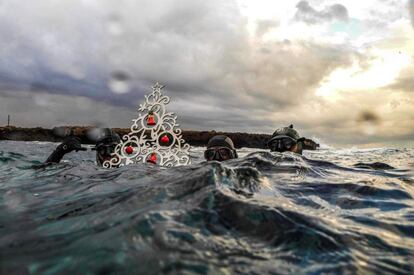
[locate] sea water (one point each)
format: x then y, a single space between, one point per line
264 213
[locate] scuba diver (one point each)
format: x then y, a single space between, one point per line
286 139
220 148
105 145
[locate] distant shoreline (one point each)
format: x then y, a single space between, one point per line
194 138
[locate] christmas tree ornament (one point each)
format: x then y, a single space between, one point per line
151 119
129 150
154 136
152 158
165 139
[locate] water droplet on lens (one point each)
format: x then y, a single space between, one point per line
61 131
368 122
368 116
95 134
119 83
114 25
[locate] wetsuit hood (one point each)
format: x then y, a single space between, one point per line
280 139
285 132
222 141
108 139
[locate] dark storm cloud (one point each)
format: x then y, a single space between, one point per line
57 60
44 50
59 48
308 14
200 50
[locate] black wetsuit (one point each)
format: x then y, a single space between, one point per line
70 144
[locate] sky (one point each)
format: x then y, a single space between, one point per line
340 71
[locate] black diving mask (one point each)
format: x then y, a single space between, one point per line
281 144
105 149
219 153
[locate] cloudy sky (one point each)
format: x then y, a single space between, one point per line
341 71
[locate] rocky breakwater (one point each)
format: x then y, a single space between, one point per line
194 138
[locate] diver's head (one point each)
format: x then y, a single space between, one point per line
105 145
220 148
285 139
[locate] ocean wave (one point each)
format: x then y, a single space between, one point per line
263 213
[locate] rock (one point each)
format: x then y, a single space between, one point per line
309 144
194 138
374 165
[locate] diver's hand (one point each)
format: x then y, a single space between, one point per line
68 145
71 144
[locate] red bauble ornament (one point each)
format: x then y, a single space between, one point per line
152 158
165 139
129 150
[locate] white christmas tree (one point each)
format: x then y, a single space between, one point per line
154 138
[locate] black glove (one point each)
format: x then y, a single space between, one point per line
71 144
68 145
